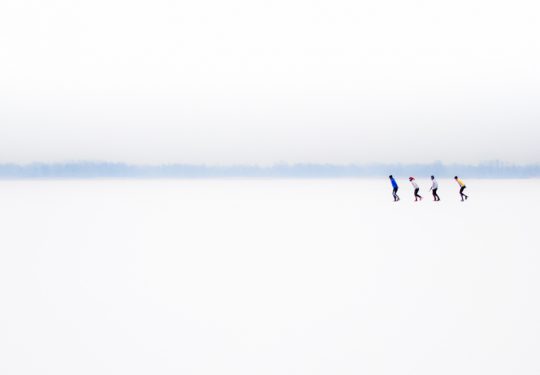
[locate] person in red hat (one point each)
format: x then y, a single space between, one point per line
416 189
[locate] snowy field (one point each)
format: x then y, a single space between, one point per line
273 277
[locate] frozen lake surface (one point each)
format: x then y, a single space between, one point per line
273 277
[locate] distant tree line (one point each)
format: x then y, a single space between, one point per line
492 169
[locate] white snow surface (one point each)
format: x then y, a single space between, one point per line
269 276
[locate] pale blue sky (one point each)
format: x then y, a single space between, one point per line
237 81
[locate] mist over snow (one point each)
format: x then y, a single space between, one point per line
201 187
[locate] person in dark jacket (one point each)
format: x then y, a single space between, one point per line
394 188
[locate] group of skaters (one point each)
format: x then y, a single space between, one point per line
434 187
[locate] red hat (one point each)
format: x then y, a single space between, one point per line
411 178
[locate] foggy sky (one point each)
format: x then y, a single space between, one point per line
224 82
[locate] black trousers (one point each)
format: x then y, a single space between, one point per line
394 193
435 195
461 192
416 195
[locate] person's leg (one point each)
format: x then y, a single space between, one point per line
397 196
394 194
466 196
436 195
434 191
461 192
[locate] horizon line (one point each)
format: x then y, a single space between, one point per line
107 169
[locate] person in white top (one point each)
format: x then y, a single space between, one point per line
434 187
416 189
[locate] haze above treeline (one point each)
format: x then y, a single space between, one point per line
91 169
242 82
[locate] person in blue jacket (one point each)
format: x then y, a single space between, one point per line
394 188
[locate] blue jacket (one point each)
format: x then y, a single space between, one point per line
394 183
